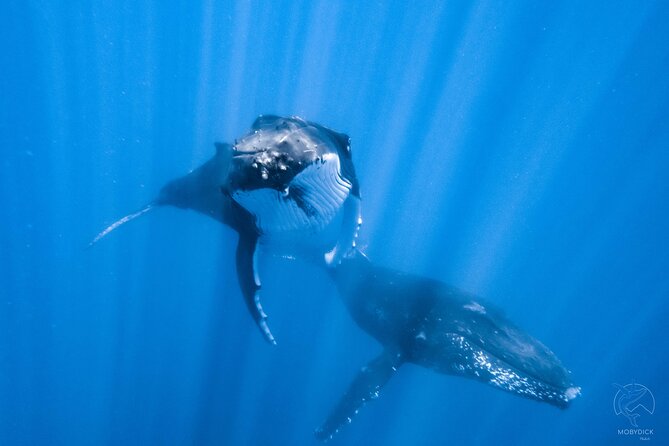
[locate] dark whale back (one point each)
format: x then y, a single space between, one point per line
421 317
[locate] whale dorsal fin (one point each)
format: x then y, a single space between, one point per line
366 386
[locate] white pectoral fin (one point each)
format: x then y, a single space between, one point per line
249 282
351 221
365 387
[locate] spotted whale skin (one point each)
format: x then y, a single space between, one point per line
426 322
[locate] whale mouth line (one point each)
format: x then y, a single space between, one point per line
238 152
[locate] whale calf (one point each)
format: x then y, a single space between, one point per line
286 175
426 322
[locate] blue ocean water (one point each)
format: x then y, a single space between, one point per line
518 150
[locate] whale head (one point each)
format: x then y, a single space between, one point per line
291 174
278 149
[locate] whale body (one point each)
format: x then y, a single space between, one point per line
426 322
286 175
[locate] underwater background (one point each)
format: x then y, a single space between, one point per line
517 150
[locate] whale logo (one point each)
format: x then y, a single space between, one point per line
632 400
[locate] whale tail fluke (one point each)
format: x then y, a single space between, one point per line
122 221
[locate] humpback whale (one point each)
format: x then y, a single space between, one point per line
291 176
426 322
286 175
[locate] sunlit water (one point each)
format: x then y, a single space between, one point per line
517 150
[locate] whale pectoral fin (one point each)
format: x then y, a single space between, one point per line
351 221
365 387
122 221
249 281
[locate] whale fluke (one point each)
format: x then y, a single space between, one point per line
122 221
